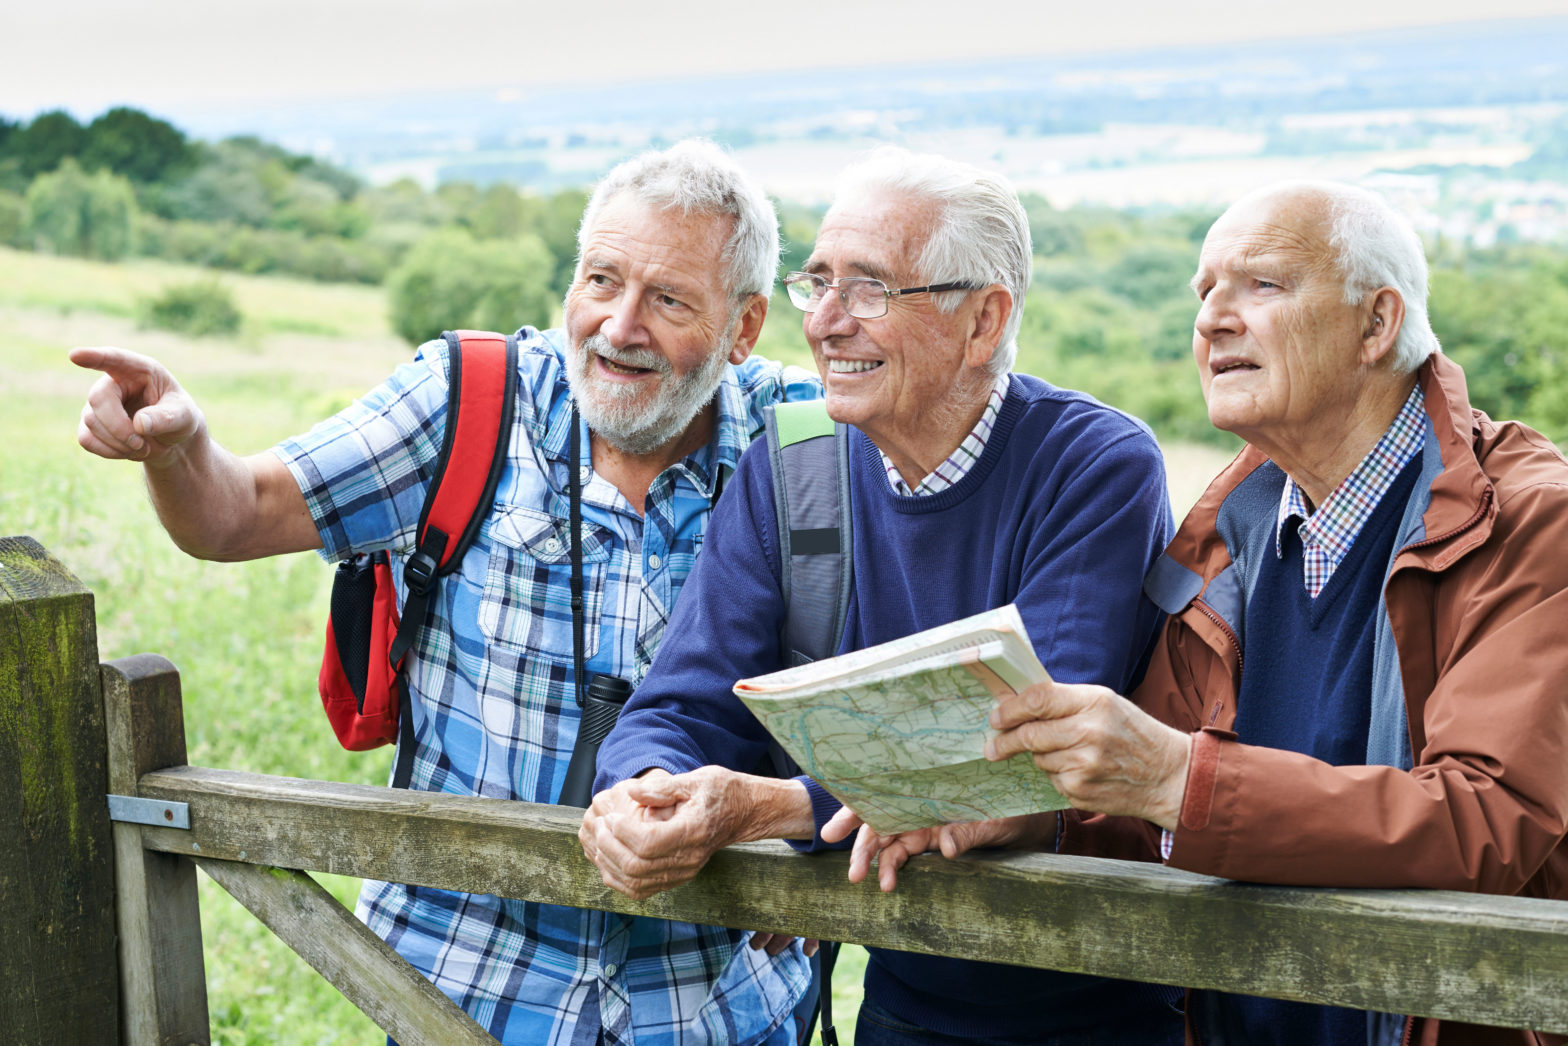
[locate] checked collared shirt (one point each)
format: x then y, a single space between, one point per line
962 459
494 709
1327 534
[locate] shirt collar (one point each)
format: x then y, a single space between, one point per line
961 460
1332 529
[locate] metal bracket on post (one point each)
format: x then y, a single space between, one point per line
135 810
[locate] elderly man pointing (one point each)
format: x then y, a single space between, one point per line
625 424
970 488
1361 683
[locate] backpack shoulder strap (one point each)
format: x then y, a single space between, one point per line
480 396
810 458
809 453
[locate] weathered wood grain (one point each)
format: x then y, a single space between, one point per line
343 950
1494 960
163 986
58 976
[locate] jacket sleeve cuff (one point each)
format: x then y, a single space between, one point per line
823 807
1203 769
1197 805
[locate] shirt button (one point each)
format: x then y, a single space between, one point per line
609 969
654 562
585 473
553 545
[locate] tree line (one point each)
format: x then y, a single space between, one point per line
1109 311
129 184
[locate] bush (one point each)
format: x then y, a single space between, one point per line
451 281
222 245
198 309
88 215
13 219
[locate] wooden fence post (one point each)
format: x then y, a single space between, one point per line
59 981
163 988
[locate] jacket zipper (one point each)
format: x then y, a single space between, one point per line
1479 514
1203 608
1475 517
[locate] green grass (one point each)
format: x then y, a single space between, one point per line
68 286
245 637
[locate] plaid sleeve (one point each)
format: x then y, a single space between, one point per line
764 382
364 470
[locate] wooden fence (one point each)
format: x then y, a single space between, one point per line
100 939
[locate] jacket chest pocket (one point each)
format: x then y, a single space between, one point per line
527 600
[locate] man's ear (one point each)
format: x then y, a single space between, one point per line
1384 314
986 324
746 334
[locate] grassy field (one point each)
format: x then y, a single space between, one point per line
246 637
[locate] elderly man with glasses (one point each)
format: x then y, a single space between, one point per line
971 487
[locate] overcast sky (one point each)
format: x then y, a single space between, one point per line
88 55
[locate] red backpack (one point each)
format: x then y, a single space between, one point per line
361 682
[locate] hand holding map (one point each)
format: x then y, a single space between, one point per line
897 732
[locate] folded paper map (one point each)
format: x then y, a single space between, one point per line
897 732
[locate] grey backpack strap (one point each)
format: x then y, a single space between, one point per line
810 459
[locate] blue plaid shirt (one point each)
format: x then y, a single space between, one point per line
494 710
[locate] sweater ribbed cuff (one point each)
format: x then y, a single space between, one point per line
823 807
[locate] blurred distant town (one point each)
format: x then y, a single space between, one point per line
1465 126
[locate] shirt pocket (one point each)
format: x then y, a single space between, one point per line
527 600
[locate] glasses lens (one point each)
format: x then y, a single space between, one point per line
805 290
867 297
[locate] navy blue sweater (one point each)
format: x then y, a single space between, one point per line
1063 515
1306 688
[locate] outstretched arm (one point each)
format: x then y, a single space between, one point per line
213 503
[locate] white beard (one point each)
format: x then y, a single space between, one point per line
628 417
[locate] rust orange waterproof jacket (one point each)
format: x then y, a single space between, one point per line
1476 685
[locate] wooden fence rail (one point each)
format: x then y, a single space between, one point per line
1493 960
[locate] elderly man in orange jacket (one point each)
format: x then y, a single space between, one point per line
1361 679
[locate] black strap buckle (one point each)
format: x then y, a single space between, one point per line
419 573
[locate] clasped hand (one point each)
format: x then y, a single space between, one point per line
654 832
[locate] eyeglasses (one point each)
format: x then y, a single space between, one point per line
861 296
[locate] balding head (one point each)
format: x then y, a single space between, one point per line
1304 342
1369 244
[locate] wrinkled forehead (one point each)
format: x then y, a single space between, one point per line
870 231
1286 230
659 222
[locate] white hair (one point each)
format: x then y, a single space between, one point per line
1374 247
981 234
695 176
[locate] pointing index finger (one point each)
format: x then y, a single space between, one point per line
110 359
